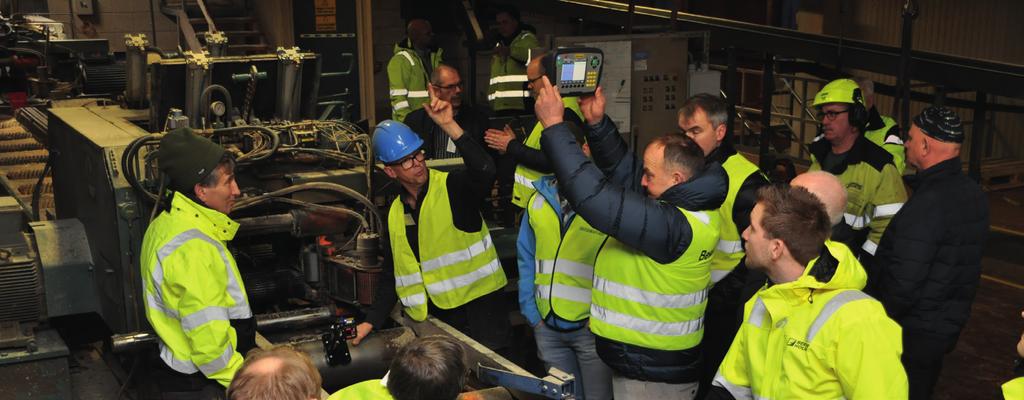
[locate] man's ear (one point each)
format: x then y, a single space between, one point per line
777 249
390 172
200 192
720 132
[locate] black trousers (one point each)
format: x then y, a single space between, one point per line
484 319
922 359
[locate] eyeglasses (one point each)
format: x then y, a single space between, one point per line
450 87
407 162
831 115
531 81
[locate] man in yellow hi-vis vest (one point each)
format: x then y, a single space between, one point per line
193 292
652 275
439 247
812 333
410 67
507 88
704 118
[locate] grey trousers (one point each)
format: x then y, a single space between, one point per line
629 389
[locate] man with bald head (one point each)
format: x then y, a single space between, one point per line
929 261
279 373
828 189
410 67
446 85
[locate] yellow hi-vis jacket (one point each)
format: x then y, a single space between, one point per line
192 289
641 302
408 79
890 142
564 259
729 250
809 339
457 266
522 187
507 88
1014 389
374 389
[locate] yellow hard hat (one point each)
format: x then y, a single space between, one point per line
839 91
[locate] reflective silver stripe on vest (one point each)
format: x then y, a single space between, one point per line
198 318
463 280
508 79
458 256
185 367
893 139
870 247
241 309
522 180
408 280
417 299
887 210
649 298
567 292
500 94
157 304
567 267
856 222
737 391
398 92
729 246
408 57
418 93
401 105
700 215
757 313
538 202
218 363
646 326
718 274
831 307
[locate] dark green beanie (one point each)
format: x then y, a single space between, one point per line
187 158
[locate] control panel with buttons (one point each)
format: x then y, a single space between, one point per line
575 70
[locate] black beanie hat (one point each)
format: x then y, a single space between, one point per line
940 123
187 158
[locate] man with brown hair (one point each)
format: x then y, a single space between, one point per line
280 373
810 333
429 368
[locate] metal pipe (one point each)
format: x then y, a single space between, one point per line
977 137
767 91
135 341
909 13
370 359
297 222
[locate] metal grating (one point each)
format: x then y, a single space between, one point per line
20 291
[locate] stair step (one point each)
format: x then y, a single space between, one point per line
243 33
222 20
248 49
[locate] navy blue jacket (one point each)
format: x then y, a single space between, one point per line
607 193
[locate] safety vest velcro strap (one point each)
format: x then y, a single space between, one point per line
219 363
415 94
833 305
508 79
739 392
857 222
649 298
408 280
458 256
729 246
646 326
464 280
577 294
523 180
398 92
870 247
401 105
567 267
887 210
415 300
758 313
501 94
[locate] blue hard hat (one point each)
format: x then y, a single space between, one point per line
393 140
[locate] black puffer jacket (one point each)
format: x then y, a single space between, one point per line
929 260
608 195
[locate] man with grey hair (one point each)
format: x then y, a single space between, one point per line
882 129
703 118
446 84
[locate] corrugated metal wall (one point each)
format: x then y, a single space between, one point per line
981 29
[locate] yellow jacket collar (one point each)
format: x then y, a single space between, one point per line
207 220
